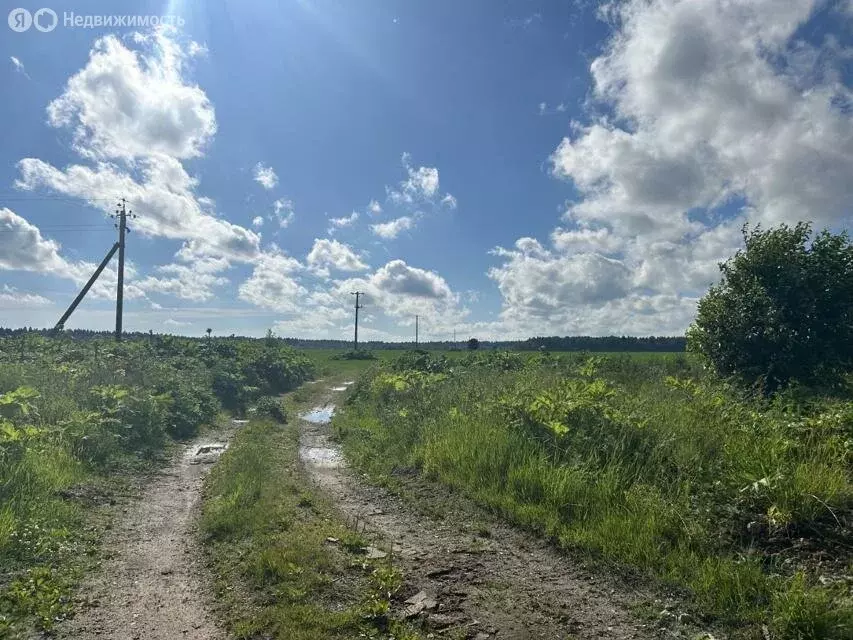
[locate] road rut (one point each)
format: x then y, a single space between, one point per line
151 585
481 577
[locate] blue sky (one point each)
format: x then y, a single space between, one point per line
501 170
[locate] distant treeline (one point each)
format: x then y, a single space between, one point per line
549 343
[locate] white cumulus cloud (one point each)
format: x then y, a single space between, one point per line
390 230
345 221
126 104
326 254
265 176
717 113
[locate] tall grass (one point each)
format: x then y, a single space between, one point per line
79 417
645 463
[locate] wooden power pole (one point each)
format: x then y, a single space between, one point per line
416 331
121 215
357 294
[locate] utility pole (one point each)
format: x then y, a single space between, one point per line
357 294
416 331
121 214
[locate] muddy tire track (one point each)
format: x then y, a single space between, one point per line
151 584
472 580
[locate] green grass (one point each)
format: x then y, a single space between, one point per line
267 532
79 421
638 461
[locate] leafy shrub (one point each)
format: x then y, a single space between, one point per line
273 407
232 391
500 360
355 354
419 360
137 420
275 369
190 407
16 432
192 404
783 310
91 438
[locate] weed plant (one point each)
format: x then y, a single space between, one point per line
745 502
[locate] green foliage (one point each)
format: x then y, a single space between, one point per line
232 391
803 611
473 344
255 369
421 361
41 593
74 414
783 310
192 404
355 354
269 536
272 407
647 463
500 360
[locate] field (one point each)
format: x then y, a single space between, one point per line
646 463
642 466
81 422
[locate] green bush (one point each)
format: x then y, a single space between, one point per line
232 391
355 354
272 407
191 406
783 310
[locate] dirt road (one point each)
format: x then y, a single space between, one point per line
469 573
150 585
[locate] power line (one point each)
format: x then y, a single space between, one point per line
80 228
79 199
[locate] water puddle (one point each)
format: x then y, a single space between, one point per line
207 453
319 415
338 389
348 383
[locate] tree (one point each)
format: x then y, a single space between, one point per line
783 309
209 331
473 344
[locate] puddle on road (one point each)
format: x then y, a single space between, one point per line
319 415
315 448
348 383
338 389
207 453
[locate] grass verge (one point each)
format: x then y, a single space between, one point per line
285 565
640 463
